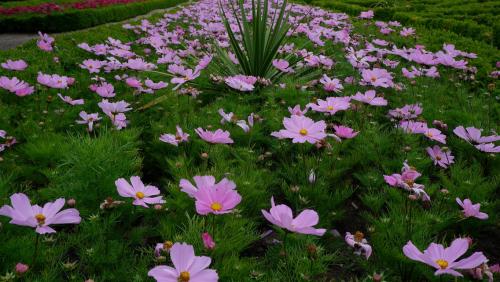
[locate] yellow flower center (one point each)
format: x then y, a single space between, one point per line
428 134
184 277
167 245
40 218
409 182
442 263
303 132
178 137
358 236
216 206
139 195
438 158
330 108
373 78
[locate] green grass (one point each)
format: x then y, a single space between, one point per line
57 158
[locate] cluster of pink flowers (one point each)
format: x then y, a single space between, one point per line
18 65
16 86
55 81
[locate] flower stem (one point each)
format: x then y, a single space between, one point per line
35 253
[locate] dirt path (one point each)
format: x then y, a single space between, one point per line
12 40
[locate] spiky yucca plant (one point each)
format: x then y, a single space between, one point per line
261 37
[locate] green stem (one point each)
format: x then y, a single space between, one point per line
35 253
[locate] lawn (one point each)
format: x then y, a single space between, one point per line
372 177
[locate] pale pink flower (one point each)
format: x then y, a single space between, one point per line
377 77
444 259
302 129
344 132
282 216
93 66
359 243
172 139
440 157
45 42
366 14
104 89
139 64
282 65
246 125
113 108
215 137
370 98
488 148
21 268
331 85
297 111
155 85
207 181
331 105
217 199
436 135
88 119
17 65
70 100
24 214
142 194
187 267
16 86
473 135
240 83
225 117
55 80
470 209
406 181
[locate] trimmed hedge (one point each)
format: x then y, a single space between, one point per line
467 28
80 19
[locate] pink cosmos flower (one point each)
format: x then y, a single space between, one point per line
370 98
345 132
377 77
208 241
470 209
297 111
282 216
155 85
163 248
187 267
204 181
405 32
241 83
88 119
217 199
172 139
282 65
215 137
444 259
142 194
331 105
139 64
473 135
488 148
23 213
18 65
16 86
406 181
55 80
436 135
246 125
366 14
70 100
302 129
104 89
93 66
225 117
359 243
113 108
45 42
440 157
407 112
484 270
331 85
183 75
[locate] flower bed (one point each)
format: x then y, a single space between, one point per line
78 15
